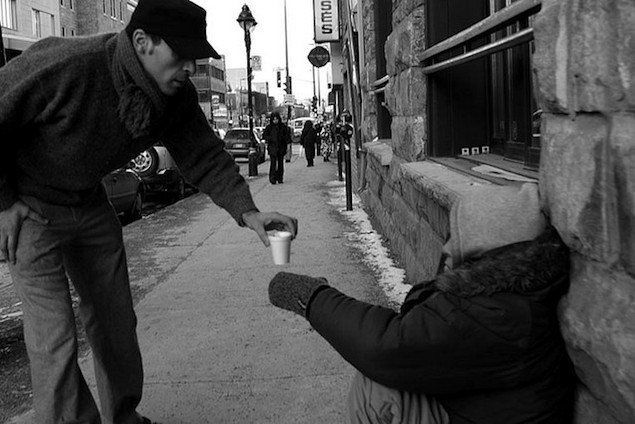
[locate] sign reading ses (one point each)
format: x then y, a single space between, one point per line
326 20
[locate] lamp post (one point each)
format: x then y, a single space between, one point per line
247 23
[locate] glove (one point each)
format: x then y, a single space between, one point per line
293 291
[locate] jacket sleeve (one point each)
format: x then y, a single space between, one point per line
419 351
204 162
20 103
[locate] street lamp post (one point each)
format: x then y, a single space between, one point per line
247 23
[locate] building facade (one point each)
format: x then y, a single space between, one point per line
450 95
26 21
210 82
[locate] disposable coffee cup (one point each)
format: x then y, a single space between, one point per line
280 242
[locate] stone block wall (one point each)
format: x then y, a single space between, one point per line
406 91
584 69
368 72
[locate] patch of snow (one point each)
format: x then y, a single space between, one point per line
369 242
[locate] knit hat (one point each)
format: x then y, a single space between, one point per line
180 23
491 217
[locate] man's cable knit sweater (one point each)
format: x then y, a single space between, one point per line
72 110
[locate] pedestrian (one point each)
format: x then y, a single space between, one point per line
71 111
318 143
480 343
277 136
308 140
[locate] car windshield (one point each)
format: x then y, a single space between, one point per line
238 134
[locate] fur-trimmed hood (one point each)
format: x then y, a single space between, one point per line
538 268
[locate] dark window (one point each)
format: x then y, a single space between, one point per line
202 69
204 96
483 105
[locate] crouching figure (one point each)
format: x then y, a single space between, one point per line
480 343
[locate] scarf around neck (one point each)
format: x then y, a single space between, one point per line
141 103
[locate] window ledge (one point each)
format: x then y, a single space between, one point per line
493 168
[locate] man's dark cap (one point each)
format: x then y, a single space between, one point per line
180 23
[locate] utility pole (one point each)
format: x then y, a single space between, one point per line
288 88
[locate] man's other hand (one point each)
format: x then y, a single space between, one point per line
261 222
10 224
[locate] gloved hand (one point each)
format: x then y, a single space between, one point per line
293 291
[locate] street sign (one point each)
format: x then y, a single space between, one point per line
319 56
289 99
256 63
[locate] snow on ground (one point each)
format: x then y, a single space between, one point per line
369 242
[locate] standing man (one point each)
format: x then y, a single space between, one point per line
72 110
277 136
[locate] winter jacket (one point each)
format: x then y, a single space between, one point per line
277 137
483 338
74 109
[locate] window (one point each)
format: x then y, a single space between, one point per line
43 23
103 6
63 32
70 4
8 14
202 69
72 33
62 3
217 73
204 96
482 105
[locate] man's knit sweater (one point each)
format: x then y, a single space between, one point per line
72 110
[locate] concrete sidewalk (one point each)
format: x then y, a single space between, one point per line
214 349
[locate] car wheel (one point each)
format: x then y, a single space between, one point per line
146 163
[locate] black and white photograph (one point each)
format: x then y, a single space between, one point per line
317 211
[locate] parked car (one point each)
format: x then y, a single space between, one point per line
237 143
126 192
298 125
159 172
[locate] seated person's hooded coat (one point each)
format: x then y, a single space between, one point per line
483 337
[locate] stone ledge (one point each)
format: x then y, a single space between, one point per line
381 150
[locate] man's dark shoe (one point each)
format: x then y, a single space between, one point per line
272 182
280 182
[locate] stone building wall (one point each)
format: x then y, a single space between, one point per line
584 69
584 73
368 72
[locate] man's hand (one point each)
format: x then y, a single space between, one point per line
10 224
261 222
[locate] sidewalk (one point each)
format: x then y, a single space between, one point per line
214 349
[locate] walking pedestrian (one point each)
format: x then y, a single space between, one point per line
277 136
71 111
480 343
318 143
308 139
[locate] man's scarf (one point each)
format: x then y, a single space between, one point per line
141 103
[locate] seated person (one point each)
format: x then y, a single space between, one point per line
478 344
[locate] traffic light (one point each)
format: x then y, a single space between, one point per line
314 101
279 78
288 88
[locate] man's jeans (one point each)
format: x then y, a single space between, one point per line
86 244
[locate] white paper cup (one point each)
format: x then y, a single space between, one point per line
280 242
